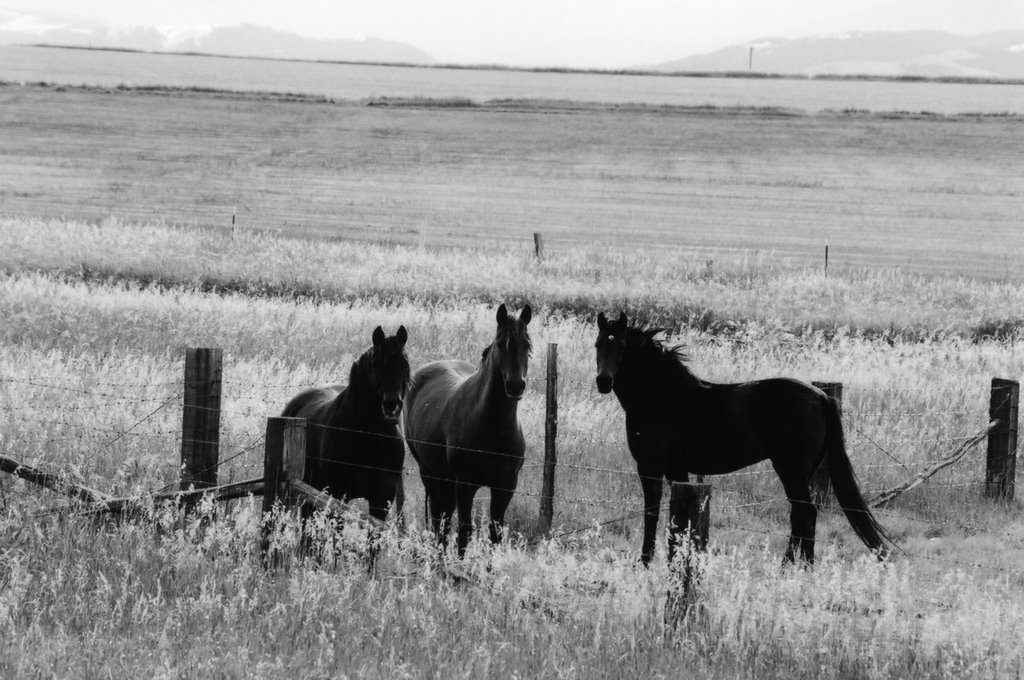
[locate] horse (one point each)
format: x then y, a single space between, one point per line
678 424
353 446
462 428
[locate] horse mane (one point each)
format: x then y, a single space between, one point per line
360 368
671 359
503 334
514 331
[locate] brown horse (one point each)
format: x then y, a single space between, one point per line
677 424
353 446
462 427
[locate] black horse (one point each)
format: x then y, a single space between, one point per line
678 424
462 427
353 446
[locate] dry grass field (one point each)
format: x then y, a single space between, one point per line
116 252
924 193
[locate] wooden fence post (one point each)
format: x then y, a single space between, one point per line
538 245
1001 468
200 419
821 486
547 493
284 460
690 507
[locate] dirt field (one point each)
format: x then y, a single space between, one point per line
931 194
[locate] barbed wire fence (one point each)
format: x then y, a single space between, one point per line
129 427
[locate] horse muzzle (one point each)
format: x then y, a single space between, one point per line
391 410
514 389
604 383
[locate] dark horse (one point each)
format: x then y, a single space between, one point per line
677 424
353 447
462 427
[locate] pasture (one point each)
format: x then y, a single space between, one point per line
922 193
117 252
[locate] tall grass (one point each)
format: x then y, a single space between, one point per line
173 597
907 403
708 289
95 320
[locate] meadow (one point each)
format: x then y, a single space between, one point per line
101 291
111 69
916 192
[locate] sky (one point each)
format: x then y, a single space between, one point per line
576 33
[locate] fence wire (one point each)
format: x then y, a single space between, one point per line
115 394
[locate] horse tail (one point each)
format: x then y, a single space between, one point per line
844 482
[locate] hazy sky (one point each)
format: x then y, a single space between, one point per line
552 32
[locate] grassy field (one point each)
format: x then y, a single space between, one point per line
923 193
91 386
97 308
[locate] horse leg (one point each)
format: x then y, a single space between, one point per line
464 494
500 499
378 510
387 494
442 506
378 507
398 505
428 505
434 501
803 517
651 482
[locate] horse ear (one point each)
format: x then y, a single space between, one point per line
402 335
378 336
602 322
526 315
502 314
622 320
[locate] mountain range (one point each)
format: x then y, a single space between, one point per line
913 53
244 40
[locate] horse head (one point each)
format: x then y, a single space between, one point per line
389 372
611 348
511 350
